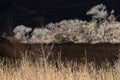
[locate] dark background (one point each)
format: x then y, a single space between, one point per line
35 13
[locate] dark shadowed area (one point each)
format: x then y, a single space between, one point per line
97 53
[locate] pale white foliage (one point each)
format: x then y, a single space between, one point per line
99 30
41 35
68 27
112 12
21 32
98 11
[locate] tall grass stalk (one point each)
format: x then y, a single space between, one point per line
43 70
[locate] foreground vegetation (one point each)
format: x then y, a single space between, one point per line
41 68
44 70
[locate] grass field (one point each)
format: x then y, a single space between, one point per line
44 70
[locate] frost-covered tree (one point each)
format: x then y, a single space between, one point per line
98 12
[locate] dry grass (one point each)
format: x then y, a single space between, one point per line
44 70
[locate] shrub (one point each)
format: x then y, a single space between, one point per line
74 38
81 30
60 38
22 32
